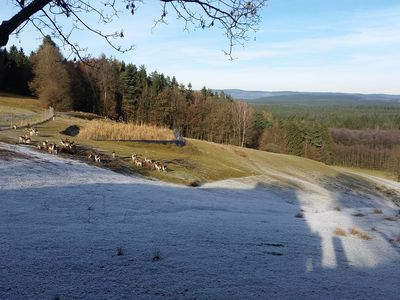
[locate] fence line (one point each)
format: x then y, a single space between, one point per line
7 121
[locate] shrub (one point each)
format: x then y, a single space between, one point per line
194 183
377 211
358 214
156 255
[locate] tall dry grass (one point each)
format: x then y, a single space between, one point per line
109 131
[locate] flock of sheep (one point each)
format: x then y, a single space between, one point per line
136 159
68 146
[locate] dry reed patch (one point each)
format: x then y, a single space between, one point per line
356 232
112 131
340 232
377 211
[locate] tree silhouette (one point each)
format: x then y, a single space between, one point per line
235 17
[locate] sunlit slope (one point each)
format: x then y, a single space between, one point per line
195 163
14 107
198 160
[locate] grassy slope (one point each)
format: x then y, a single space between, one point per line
18 107
19 104
198 160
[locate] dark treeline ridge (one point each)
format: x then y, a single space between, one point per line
351 115
125 92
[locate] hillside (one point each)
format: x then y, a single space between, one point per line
263 97
260 225
71 230
198 161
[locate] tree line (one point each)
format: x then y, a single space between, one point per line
367 148
125 92
351 115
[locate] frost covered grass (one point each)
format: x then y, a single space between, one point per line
236 238
106 130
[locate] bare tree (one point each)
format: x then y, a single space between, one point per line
394 162
235 17
243 120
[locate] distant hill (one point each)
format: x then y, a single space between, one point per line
259 97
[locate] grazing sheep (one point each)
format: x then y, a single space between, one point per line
91 155
24 139
45 144
52 148
14 127
158 166
113 155
134 156
33 131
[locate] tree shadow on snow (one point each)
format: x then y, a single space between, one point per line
98 241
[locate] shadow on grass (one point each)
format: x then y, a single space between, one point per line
223 243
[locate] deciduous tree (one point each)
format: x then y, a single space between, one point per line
51 83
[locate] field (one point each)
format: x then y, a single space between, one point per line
71 230
197 162
259 226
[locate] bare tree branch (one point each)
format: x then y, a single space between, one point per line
235 17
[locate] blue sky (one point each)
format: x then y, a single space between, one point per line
301 45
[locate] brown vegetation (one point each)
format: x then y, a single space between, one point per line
356 232
340 232
367 148
109 131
